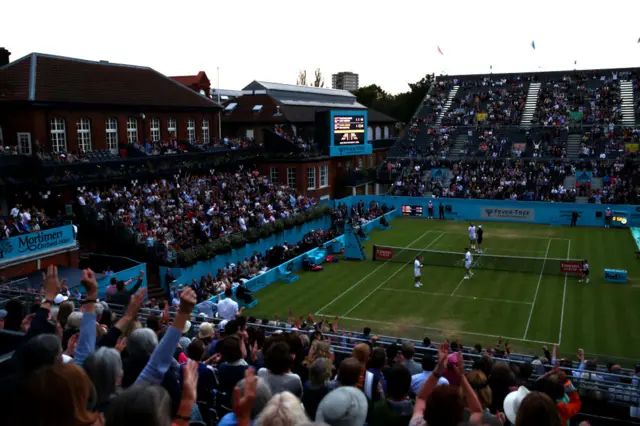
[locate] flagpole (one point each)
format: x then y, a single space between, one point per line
219 112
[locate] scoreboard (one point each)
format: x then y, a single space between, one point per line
347 132
411 210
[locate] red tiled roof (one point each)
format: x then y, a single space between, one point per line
192 80
46 78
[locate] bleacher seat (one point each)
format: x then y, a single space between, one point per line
319 256
287 276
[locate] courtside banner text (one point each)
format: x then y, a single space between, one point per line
36 242
507 214
384 253
571 267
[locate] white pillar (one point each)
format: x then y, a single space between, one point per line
353 191
366 189
377 189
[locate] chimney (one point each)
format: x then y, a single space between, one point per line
4 56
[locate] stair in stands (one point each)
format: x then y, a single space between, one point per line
569 183
573 146
530 105
627 107
458 149
597 183
447 105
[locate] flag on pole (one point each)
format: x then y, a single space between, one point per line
440 51
639 40
533 45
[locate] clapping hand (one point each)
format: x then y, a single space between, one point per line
89 283
242 405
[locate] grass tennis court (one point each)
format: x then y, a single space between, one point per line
530 309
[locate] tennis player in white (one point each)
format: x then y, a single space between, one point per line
468 260
472 236
417 270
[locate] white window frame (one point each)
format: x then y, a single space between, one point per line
172 127
324 176
250 133
206 134
132 130
191 130
83 126
58 135
154 129
21 143
274 175
291 177
311 178
111 126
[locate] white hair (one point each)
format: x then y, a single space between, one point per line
142 342
99 310
284 409
74 320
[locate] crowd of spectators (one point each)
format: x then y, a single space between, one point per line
228 144
161 147
102 367
23 220
588 99
192 210
495 100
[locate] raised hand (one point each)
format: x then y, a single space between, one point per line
121 345
89 283
51 283
136 302
188 300
242 405
190 381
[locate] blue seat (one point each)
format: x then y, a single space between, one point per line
253 303
287 276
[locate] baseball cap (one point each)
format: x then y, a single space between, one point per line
222 324
59 299
512 403
206 330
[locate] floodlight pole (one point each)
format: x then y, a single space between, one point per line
219 112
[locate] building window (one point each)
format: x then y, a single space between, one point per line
378 133
191 131
311 178
24 143
58 135
132 130
249 133
154 128
370 133
386 132
291 177
84 134
172 128
324 176
205 131
112 135
274 175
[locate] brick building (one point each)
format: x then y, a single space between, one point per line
52 103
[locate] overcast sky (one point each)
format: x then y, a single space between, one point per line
387 42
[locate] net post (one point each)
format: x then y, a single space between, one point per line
374 253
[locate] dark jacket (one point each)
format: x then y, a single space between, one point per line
124 296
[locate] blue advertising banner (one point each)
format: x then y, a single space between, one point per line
36 242
583 177
438 174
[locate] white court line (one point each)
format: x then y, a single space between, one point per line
450 295
535 296
462 280
497 235
447 331
369 274
564 296
393 275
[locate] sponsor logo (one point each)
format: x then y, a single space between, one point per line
615 276
41 241
5 247
497 213
570 267
384 253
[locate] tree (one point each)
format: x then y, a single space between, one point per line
319 79
401 106
302 78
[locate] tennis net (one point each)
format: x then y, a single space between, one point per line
544 265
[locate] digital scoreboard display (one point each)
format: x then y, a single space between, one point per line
348 130
411 210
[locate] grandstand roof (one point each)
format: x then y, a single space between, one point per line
289 94
41 77
540 74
